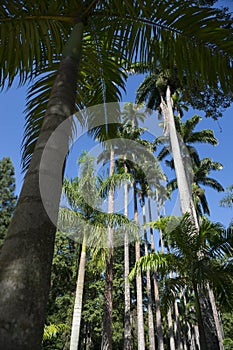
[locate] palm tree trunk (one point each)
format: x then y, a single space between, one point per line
187 205
76 322
127 323
140 320
106 343
177 327
26 256
159 327
148 287
170 329
201 329
216 318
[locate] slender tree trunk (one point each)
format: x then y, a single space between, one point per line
140 320
76 322
159 327
170 329
216 318
189 337
26 256
106 343
197 337
187 205
201 329
127 323
148 287
177 327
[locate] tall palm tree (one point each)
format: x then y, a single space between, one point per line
167 88
74 191
30 238
83 202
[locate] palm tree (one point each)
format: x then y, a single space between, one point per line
167 88
83 203
74 191
228 198
30 238
198 258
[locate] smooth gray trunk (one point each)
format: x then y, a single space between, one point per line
148 287
76 321
127 323
159 327
106 343
170 329
140 320
187 205
26 257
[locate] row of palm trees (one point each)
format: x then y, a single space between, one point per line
131 131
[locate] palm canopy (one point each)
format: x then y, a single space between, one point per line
202 97
198 40
81 210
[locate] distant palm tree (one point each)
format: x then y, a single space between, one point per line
228 198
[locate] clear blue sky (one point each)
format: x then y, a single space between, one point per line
12 104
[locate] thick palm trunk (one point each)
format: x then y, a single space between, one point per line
26 256
76 322
148 287
140 320
159 327
127 323
187 205
106 343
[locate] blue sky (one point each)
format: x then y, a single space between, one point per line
12 104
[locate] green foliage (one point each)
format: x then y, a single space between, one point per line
7 196
227 200
227 322
61 298
52 330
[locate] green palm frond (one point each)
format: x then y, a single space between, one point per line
151 262
24 31
89 92
53 330
121 36
113 182
210 182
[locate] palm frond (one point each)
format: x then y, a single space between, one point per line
53 330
